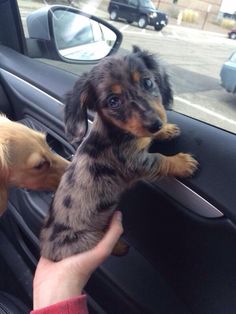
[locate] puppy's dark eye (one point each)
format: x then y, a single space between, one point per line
43 165
147 83
114 102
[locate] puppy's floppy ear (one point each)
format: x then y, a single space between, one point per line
78 101
3 178
136 49
161 76
165 87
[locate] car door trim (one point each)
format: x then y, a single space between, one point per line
19 79
181 193
25 88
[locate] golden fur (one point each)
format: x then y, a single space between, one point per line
26 160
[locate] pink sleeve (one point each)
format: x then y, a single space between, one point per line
77 305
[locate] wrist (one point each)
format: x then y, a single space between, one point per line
73 305
46 297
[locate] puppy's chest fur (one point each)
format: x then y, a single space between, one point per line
89 191
99 173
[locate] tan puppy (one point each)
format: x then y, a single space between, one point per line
26 160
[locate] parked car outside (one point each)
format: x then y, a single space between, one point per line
141 11
232 34
228 74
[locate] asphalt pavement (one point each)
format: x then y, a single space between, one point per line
193 58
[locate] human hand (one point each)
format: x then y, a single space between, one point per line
58 281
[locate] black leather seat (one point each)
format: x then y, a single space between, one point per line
11 305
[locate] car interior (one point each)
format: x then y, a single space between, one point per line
181 232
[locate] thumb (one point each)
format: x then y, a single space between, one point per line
94 257
115 230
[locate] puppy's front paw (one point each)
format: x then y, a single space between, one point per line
173 131
185 166
121 248
168 132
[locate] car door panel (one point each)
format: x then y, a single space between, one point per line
33 71
195 255
179 261
216 153
132 10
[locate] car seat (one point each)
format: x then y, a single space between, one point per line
11 305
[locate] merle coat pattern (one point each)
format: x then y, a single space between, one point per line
129 95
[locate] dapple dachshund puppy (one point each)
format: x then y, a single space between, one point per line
26 160
129 95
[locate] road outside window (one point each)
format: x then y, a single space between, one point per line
194 45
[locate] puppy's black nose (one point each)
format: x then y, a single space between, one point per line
154 127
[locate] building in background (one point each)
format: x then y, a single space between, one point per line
228 8
207 10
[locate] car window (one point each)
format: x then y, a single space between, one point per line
133 3
233 58
194 39
147 4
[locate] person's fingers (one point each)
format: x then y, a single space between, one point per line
115 230
94 257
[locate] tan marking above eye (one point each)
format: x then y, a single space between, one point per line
136 76
116 89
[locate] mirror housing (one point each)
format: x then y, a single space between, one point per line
64 33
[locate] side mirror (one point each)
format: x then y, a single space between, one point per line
65 33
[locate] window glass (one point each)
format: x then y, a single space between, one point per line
195 39
147 4
133 2
233 57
